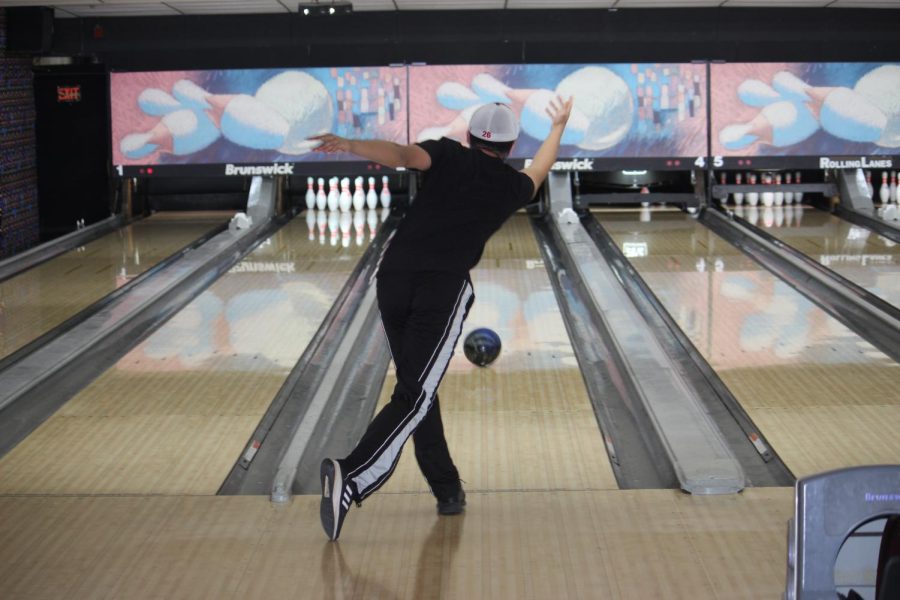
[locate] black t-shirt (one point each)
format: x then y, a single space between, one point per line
465 197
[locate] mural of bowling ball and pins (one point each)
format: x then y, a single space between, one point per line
251 115
805 109
621 110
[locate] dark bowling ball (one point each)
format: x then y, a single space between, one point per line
482 346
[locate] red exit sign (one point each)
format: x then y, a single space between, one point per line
68 93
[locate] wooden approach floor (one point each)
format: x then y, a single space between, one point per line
130 513
517 545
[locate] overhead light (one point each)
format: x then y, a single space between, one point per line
325 9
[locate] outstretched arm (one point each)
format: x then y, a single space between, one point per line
546 155
388 154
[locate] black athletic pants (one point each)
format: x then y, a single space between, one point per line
423 315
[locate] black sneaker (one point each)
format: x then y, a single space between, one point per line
336 498
452 505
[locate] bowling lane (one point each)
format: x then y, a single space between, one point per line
525 422
824 397
856 253
173 415
37 300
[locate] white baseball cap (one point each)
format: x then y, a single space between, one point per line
494 122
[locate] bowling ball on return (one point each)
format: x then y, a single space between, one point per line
482 346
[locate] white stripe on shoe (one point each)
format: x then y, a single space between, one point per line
389 451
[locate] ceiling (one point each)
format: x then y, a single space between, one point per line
135 8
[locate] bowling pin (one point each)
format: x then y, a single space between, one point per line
869 184
798 196
780 124
752 197
310 194
345 200
372 222
180 132
754 92
311 223
738 196
321 222
359 224
456 96
333 195
385 193
779 193
894 186
884 192
359 196
334 224
371 195
346 223
768 197
788 196
753 214
157 103
723 180
321 199
843 112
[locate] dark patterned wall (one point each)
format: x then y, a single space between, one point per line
18 168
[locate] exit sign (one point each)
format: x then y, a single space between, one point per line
68 93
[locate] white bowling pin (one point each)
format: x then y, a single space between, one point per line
321 222
359 196
345 200
768 197
334 225
788 196
333 195
310 194
798 196
780 124
321 199
311 223
894 186
723 180
346 224
371 195
738 196
385 193
157 103
359 224
754 92
456 96
884 192
752 197
180 132
753 214
372 222
779 194
869 184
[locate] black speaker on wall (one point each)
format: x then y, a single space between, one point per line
29 29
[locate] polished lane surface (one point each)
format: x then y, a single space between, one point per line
37 300
824 397
173 415
525 422
858 254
